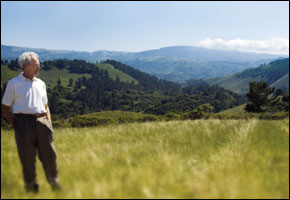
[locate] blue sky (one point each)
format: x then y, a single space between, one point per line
137 26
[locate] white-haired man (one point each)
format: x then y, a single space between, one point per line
26 96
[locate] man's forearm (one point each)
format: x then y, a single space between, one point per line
48 112
7 113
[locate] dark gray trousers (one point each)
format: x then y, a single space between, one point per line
35 136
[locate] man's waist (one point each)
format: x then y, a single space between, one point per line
37 115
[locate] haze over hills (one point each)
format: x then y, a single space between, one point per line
176 63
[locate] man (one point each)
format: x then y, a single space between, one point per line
31 120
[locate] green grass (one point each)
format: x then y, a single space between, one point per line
236 110
233 83
106 118
176 159
282 82
118 115
50 77
7 74
113 73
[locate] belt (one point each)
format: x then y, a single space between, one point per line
30 115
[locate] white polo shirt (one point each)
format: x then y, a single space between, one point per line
25 96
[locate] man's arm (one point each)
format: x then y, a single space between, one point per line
48 112
7 113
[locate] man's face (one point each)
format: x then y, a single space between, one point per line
33 68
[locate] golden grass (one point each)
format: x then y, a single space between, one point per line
176 159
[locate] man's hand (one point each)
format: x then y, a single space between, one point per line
48 112
7 113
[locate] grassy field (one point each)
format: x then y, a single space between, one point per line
176 159
114 73
50 77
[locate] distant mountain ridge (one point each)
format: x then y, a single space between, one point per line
176 63
174 53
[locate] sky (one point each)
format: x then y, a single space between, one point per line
137 26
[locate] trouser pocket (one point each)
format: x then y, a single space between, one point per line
44 128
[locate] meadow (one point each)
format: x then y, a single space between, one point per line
176 159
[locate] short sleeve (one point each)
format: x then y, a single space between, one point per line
45 96
9 94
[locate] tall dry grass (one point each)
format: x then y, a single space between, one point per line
176 159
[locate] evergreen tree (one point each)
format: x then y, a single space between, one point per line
70 84
258 96
59 87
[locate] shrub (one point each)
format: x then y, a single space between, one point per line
86 121
172 116
147 118
202 112
274 116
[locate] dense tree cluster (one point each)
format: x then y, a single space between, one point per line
151 95
263 98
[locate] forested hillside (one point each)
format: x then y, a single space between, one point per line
175 63
94 89
276 73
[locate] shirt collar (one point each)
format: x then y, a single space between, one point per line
23 78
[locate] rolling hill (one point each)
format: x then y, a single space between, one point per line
51 76
111 85
276 74
176 63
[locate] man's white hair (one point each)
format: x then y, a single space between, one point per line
26 57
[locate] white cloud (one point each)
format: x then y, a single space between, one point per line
272 45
